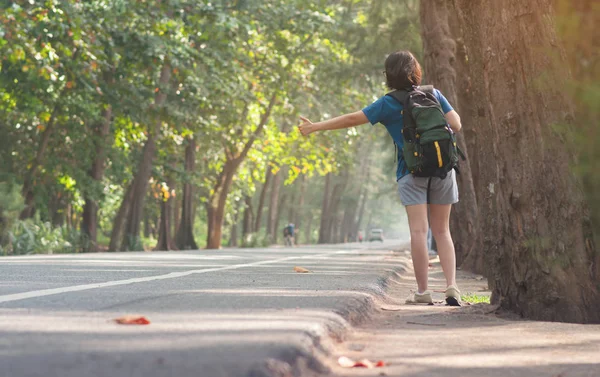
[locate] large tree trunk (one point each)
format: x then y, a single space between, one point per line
131 238
131 235
261 200
119 221
533 219
185 233
89 225
440 54
215 207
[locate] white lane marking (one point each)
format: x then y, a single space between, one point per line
172 275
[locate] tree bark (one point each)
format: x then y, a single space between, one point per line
185 233
440 54
533 218
131 237
119 221
215 207
89 225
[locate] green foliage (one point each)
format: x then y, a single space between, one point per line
33 236
66 67
475 298
11 204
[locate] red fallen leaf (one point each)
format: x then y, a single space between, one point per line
347 362
132 320
364 363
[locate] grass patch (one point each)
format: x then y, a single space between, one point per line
475 299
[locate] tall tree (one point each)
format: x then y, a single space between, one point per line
89 225
534 220
185 234
131 235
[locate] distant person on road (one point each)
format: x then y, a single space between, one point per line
288 233
418 193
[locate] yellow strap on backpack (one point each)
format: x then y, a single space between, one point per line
439 154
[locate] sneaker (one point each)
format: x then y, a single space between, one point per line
453 296
423 298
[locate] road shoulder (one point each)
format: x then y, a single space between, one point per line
474 340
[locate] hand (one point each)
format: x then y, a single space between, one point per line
306 127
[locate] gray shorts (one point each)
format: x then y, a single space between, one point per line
413 190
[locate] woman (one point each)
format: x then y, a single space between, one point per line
402 71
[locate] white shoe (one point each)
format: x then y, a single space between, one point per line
453 296
423 298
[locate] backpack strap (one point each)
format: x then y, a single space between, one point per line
399 95
426 88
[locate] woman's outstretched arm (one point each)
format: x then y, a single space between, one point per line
344 121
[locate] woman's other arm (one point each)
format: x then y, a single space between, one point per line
453 120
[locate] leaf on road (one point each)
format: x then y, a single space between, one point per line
132 320
347 362
301 270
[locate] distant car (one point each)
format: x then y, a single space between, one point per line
376 235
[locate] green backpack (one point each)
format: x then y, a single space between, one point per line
430 148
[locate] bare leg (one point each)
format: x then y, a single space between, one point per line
417 220
440 227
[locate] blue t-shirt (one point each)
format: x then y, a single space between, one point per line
387 111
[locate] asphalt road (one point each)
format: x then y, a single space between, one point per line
213 313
